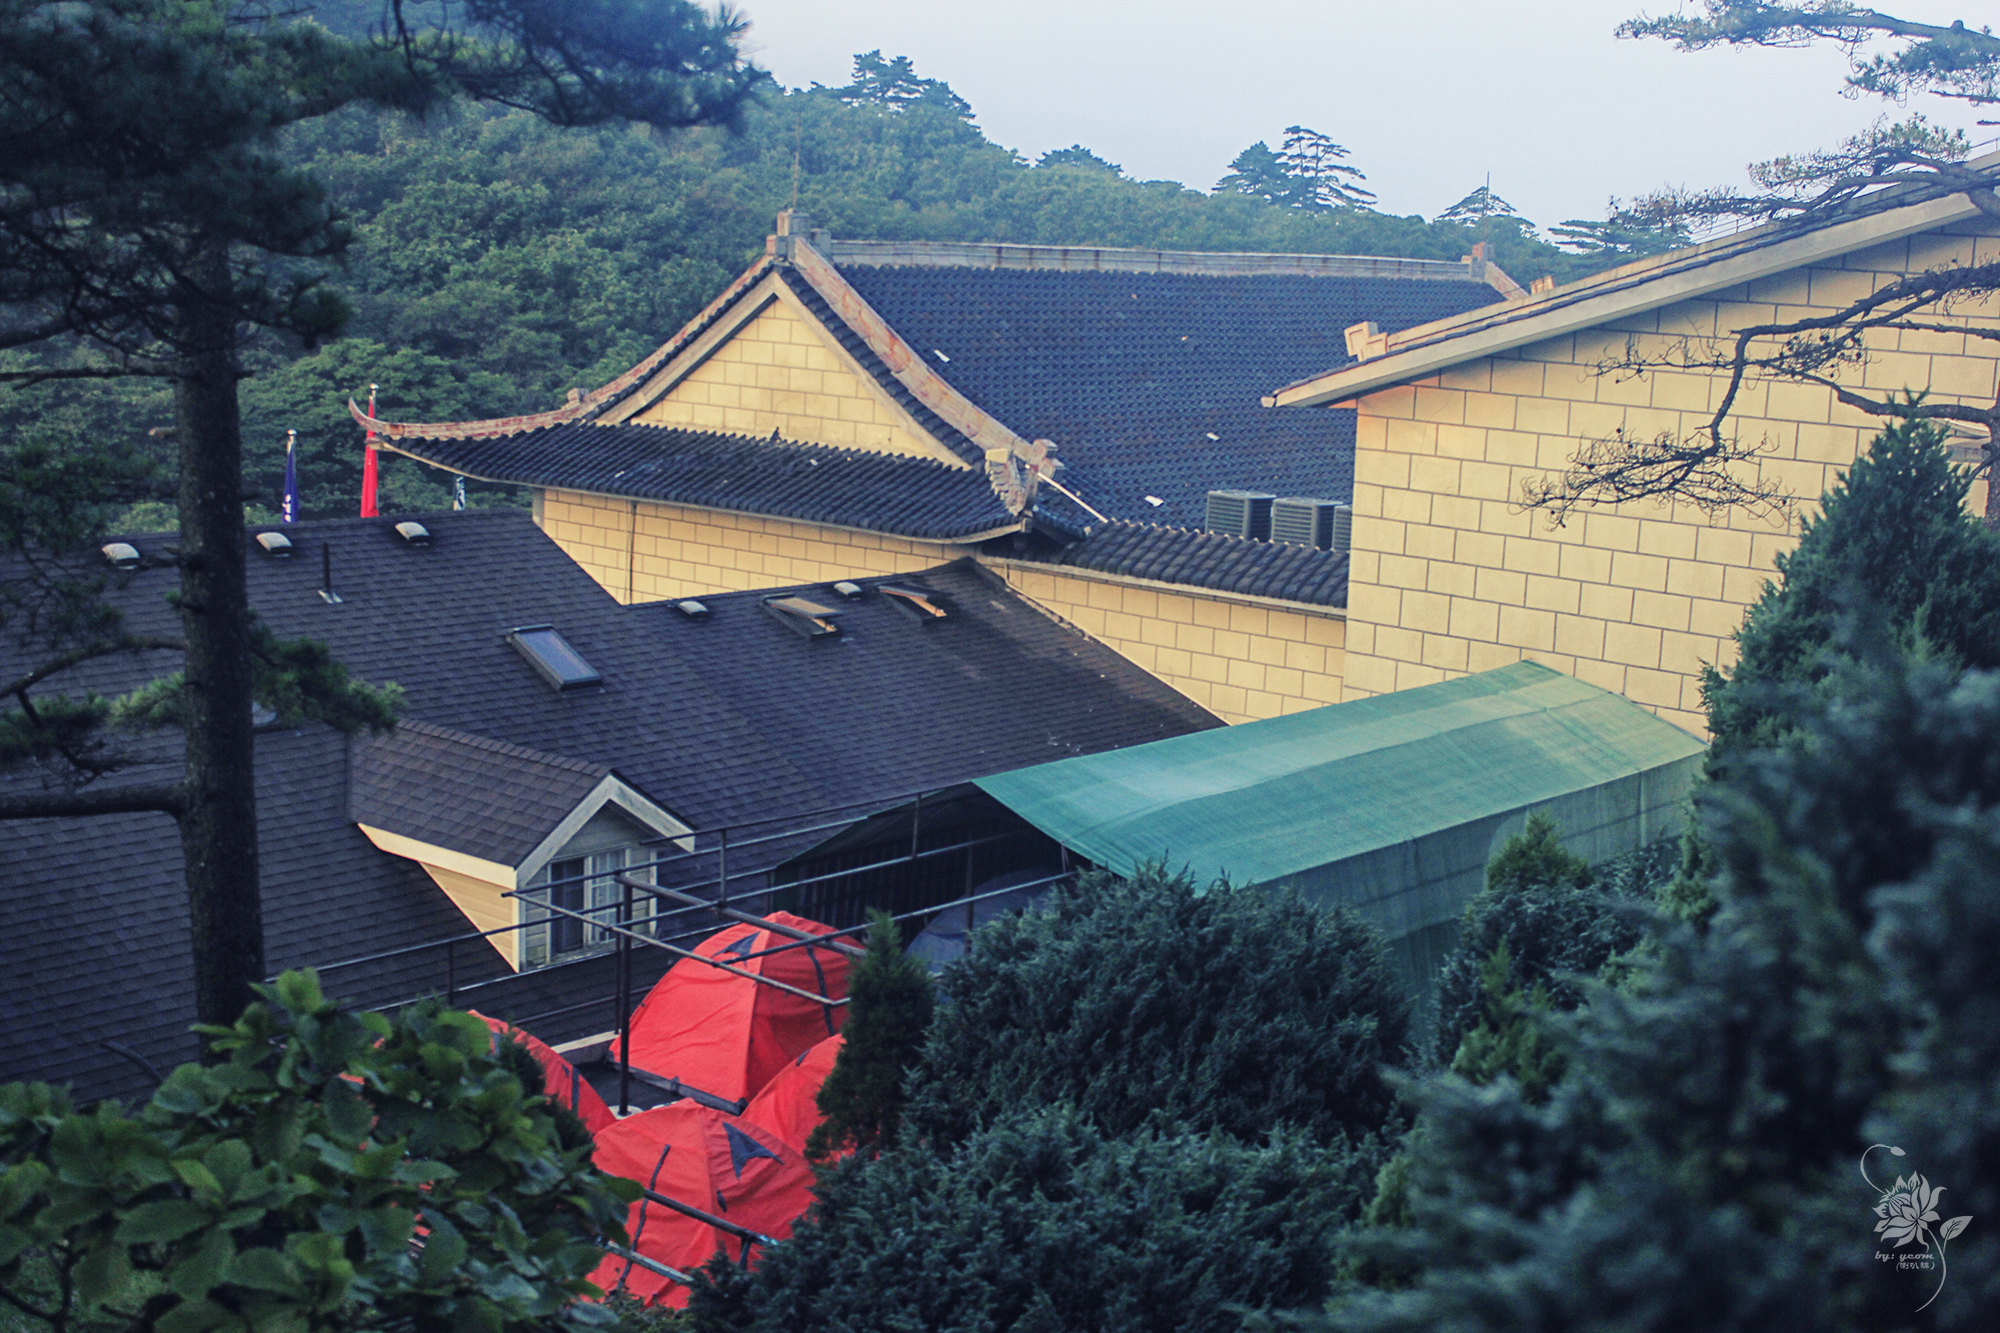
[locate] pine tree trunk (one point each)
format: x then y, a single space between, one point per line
219 828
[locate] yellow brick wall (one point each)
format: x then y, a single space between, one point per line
1450 575
779 373
1239 661
647 552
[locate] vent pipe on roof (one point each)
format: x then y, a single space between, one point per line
326 592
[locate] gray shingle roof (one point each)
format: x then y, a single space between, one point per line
1212 560
911 497
728 720
451 789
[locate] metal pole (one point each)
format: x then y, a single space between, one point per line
625 1005
723 867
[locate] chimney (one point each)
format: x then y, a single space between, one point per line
796 228
1545 283
1365 340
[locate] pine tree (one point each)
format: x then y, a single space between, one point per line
148 222
1893 533
888 1011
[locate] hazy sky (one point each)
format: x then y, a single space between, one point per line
1429 95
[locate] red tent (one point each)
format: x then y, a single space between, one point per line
564 1085
788 1106
698 1156
727 1035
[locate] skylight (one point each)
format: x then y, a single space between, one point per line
552 657
808 619
921 601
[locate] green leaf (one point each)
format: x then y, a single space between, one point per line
103 1275
444 1251
348 1115
387 1229
230 1160
194 1316
266 1270
164 1220
299 991
201 1272
196 1176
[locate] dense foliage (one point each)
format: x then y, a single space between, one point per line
496 263
1542 906
1893 535
1043 1221
889 1005
1150 1001
1697 1165
326 1171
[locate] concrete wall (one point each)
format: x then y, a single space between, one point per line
780 373
1451 575
1238 659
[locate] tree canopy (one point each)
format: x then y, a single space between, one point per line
1148 1000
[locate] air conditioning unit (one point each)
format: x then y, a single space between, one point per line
1240 514
1325 524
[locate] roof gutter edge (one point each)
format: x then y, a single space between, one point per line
1161 585
1525 324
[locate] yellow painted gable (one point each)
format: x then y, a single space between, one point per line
779 373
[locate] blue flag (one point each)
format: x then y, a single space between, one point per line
290 506
458 492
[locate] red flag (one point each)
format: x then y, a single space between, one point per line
368 463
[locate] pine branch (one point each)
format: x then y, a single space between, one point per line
129 643
165 798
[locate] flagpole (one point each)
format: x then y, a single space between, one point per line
290 504
368 477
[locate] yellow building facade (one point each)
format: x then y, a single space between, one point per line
1241 658
1452 573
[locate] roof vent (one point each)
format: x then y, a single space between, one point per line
1240 514
275 543
919 601
807 619
1325 524
263 717
552 657
122 555
414 533
847 589
692 609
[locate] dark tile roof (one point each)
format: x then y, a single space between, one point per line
911 497
466 793
1213 560
729 720
1132 373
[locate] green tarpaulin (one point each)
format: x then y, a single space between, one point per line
1391 804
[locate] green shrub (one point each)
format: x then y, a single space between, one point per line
889 1007
1041 1221
1143 1002
325 1171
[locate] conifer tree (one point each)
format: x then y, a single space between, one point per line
888 1011
149 226
1892 534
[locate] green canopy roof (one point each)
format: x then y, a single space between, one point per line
1277 799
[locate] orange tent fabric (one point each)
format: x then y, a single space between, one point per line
713 1161
564 1085
788 1106
726 1034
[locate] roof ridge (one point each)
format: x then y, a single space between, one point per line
506 749
1125 259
